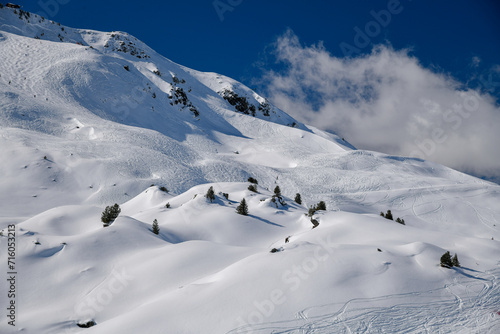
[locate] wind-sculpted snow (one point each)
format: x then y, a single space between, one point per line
467 305
473 310
352 273
89 119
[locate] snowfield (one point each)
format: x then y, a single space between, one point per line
89 119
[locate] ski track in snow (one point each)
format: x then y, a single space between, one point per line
470 304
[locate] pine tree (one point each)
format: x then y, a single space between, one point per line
242 209
446 260
388 215
311 211
298 199
455 261
277 191
156 228
253 188
252 180
109 214
210 194
401 221
321 206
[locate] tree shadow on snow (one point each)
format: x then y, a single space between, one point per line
265 221
461 270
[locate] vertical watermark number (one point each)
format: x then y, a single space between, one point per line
11 274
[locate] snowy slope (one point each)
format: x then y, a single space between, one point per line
88 119
66 94
210 270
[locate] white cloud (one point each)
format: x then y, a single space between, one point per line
387 101
475 61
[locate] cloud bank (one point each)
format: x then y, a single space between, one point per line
387 101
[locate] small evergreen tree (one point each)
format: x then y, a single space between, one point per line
321 206
252 180
401 221
278 199
277 191
242 209
109 214
167 205
162 188
156 228
311 211
87 324
455 261
446 261
253 188
388 215
298 199
210 194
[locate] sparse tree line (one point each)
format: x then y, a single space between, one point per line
278 199
112 212
388 215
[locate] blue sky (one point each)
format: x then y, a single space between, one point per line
230 36
409 77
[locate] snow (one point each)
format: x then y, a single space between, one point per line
79 132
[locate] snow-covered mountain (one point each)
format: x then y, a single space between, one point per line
89 119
